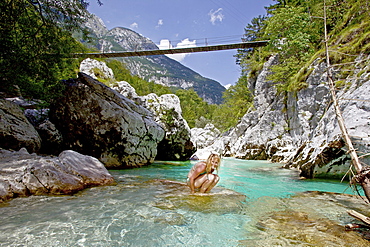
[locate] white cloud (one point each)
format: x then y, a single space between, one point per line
216 15
166 44
186 43
160 23
134 25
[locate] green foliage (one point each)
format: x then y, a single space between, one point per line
295 29
197 112
237 101
291 32
169 118
193 107
35 36
141 86
251 60
294 35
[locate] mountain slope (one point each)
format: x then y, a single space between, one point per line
159 69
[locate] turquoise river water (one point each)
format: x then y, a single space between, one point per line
256 203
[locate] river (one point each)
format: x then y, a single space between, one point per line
256 203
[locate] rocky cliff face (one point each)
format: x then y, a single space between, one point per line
160 69
114 125
321 148
300 129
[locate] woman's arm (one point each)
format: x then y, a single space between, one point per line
198 169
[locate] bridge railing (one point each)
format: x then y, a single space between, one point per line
242 45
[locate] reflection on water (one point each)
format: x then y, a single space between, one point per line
255 204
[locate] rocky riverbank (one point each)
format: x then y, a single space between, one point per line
123 130
300 129
24 174
110 130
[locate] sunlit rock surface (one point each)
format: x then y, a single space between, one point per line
324 151
300 129
96 120
204 137
24 174
167 112
176 144
96 69
176 195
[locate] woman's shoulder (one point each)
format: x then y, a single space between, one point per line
201 163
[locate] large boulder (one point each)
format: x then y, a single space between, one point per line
15 130
167 112
124 88
51 138
207 140
96 69
204 137
24 174
98 121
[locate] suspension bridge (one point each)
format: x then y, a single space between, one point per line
242 45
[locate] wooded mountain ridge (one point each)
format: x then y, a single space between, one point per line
159 69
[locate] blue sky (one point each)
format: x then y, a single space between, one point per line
176 23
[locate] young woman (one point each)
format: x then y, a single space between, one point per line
201 174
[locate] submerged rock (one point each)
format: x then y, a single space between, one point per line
176 195
24 174
306 219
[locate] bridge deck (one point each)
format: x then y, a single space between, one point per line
173 51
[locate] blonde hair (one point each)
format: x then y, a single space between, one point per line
209 160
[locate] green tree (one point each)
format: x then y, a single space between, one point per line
35 36
237 101
251 59
295 36
292 32
142 87
193 107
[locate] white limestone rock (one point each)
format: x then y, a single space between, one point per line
96 69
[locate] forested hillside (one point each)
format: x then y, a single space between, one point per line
37 35
295 29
